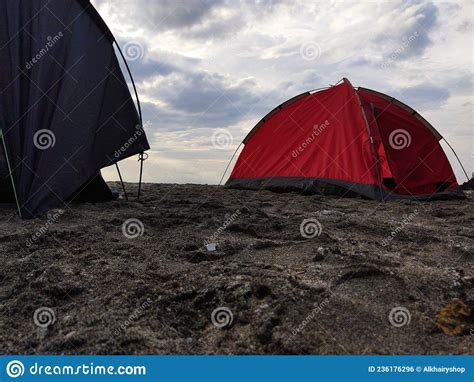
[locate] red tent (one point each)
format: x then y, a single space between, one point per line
346 141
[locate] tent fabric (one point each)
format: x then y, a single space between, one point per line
422 164
340 140
94 190
6 190
65 107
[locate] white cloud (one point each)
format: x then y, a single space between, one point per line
224 64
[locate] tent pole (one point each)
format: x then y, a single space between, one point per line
375 154
456 155
228 164
140 177
142 159
133 82
318 89
121 181
10 172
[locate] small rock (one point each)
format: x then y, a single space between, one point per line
319 257
67 319
211 247
406 252
323 251
468 279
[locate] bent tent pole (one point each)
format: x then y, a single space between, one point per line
140 156
228 164
10 172
138 106
133 81
456 155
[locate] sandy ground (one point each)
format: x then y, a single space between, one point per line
380 278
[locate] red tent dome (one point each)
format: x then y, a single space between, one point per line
346 141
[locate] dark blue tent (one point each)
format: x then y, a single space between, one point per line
65 107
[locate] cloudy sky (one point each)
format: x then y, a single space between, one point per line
207 71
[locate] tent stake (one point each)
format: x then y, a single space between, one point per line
121 181
141 158
10 172
456 155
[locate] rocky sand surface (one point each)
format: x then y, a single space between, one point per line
291 274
